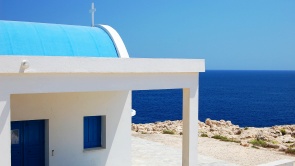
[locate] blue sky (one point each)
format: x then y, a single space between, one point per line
228 34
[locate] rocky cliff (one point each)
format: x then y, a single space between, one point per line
277 137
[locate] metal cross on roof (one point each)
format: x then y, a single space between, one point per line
92 10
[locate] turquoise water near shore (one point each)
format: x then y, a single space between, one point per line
247 98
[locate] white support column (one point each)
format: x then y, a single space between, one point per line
5 143
190 127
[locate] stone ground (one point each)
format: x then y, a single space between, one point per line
149 153
161 149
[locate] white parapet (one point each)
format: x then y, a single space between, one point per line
285 162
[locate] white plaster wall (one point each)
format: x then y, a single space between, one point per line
65 112
5 146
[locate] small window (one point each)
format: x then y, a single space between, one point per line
92 132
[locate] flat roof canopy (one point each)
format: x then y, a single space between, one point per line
44 74
49 64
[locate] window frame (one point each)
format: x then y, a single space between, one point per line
92 135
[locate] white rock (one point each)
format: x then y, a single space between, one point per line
244 143
283 148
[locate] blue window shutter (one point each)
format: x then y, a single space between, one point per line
92 131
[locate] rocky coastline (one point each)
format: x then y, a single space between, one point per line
281 138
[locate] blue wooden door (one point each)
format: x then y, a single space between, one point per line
27 143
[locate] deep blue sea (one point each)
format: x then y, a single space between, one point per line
247 98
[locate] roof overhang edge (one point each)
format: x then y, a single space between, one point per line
60 64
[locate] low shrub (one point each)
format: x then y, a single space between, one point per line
246 128
220 137
225 139
283 131
255 147
290 151
257 142
204 135
274 142
168 132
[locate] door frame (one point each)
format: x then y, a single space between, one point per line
45 139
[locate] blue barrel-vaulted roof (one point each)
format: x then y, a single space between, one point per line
40 39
